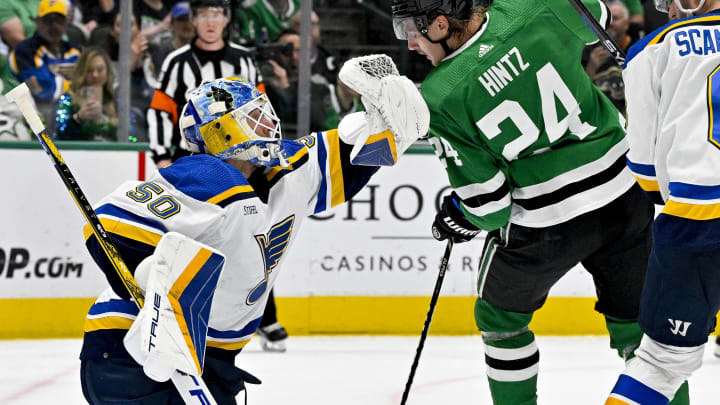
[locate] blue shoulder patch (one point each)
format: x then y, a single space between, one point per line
205 178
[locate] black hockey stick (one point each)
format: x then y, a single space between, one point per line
599 31
192 390
428 319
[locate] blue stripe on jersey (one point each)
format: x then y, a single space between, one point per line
112 210
321 204
634 390
248 329
695 192
122 306
646 170
202 177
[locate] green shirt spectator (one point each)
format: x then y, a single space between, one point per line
17 20
261 21
635 6
7 78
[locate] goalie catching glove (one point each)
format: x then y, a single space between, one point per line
396 115
170 330
450 222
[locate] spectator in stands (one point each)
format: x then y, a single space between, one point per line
601 66
262 21
327 99
96 13
17 20
207 57
635 7
323 62
140 91
153 18
343 101
12 123
45 61
86 112
182 33
76 32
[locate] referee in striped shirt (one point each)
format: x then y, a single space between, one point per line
208 56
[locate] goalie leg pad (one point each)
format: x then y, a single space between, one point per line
170 331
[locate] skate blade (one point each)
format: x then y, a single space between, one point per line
275 347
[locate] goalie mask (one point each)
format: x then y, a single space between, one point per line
664 7
231 119
411 17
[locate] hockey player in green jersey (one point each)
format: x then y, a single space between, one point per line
535 155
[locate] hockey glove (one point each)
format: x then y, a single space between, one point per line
450 222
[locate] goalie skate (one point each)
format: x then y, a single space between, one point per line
272 338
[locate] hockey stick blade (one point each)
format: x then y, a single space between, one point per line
599 31
192 390
428 319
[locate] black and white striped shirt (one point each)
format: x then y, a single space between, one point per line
182 71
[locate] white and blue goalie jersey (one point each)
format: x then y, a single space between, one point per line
672 87
251 221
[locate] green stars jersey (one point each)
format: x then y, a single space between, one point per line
259 22
524 135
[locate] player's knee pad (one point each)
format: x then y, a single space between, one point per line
490 318
663 367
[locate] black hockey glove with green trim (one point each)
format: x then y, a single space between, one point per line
450 222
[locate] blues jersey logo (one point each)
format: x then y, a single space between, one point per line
272 246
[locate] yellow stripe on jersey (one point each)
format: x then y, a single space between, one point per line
647 185
38 55
107 322
227 345
126 230
335 168
176 291
230 192
692 211
616 401
662 33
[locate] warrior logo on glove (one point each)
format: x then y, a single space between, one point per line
450 222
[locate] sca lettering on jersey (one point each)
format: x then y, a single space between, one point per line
698 41
498 76
272 246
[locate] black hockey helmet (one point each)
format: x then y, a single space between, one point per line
411 17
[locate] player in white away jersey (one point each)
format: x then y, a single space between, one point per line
672 86
244 194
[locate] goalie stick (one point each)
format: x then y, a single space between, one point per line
428 319
599 31
192 390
